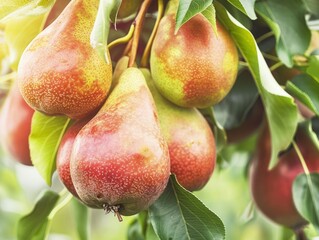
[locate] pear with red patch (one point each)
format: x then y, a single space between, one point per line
15 121
59 72
64 155
191 142
272 189
195 67
120 160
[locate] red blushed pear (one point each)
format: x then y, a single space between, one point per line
15 121
190 140
64 155
272 189
120 160
195 67
59 72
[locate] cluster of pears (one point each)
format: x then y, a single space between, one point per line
16 115
134 127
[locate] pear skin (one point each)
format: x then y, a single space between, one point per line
59 72
15 121
64 155
120 160
194 67
190 140
272 188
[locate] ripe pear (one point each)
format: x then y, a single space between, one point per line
59 72
195 67
64 155
272 189
120 160
190 140
15 122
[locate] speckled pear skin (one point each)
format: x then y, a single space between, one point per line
64 155
195 67
120 157
190 140
59 72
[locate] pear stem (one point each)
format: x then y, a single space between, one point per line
300 234
146 53
138 28
270 57
115 209
264 37
122 40
275 66
305 168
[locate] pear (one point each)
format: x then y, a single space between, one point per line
272 189
15 122
64 155
120 160
190 140
195 67
59 72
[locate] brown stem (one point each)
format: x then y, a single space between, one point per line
115 209
146 54
127 49
138 28
300 234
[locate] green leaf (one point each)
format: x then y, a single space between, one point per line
81 218
188 9
306 195
218 129
312 6
313 67
210 14
135 231
22 25
106 14
178 214
305 89
292 40
150 233
233 109
34 225
280 109
245 6
46 134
